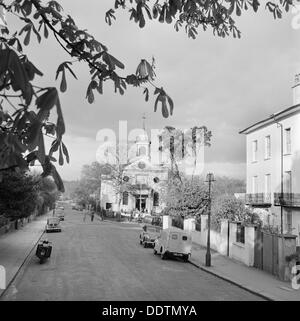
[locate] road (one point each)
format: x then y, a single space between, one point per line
104 261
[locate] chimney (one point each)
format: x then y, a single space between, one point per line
296 90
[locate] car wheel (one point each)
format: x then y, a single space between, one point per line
163 255
185 258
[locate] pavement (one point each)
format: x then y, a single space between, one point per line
16 246
249 278
103 261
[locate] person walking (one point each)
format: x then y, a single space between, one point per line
92 216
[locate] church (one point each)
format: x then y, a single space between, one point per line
145 179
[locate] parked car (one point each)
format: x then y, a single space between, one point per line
173 242
61 215
153 220
53 224
148 235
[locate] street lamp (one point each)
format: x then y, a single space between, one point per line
281 169
209 180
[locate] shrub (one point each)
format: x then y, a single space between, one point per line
233 209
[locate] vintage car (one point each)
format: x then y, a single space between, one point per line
153 220
53 224
173 242
60 213
149 234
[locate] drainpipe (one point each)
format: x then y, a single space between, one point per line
281 169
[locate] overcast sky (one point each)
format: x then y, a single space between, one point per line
225 84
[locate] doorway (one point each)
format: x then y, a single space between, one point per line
140 203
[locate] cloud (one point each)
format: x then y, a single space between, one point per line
225 84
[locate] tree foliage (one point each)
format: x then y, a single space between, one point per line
179 144
227 206
191 15
188 198
21 193
18 194
94 174
47 190
23 127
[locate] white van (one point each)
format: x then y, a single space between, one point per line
174 242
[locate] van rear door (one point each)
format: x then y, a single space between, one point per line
174 242
180 243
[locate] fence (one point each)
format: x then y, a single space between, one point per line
271 250
233 240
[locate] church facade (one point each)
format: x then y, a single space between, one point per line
146 183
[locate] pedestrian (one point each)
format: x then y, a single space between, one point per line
92 216
84 216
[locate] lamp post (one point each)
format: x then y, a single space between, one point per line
281 172
209 180
100 183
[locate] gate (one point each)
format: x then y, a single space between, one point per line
266 251
258 249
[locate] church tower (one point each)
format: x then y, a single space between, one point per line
143 143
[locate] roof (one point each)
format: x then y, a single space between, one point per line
272 119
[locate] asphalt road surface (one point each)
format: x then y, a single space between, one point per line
104 261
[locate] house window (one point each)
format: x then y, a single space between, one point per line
254 151
240 233
125 198
267 147
289 221
267 184
288 145
254 184
288 182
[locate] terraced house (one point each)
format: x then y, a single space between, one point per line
273 167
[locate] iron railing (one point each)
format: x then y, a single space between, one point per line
259 199
287 199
